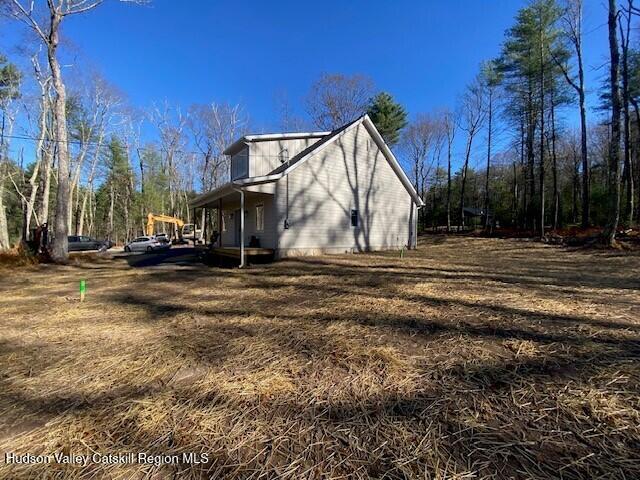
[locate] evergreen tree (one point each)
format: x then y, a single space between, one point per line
115 197
388 116
529 63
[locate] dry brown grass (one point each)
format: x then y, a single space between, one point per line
469 358
17 257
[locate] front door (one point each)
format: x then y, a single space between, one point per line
236 228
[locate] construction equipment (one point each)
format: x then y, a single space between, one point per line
152 219
185 230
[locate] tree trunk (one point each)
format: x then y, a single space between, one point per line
530 172
636 154
4 228
586 174
33 186
94 163
464 177
60 246
514 206
74 195
449 187
486 182
614 147
111 208
542 139
44 186
556 193
628 168
575 188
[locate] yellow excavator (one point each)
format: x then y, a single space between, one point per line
152 219
184 229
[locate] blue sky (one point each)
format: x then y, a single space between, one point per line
422 52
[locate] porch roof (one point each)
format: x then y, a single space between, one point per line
232 189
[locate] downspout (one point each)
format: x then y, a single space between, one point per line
242 263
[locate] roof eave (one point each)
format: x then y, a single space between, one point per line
246 139
393 160
236 146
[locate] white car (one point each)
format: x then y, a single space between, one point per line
144 244
162 238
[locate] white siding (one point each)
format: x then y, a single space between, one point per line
351 173
267 236
266 156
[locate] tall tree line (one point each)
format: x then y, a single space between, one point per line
549 175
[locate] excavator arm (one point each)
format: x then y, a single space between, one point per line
152 219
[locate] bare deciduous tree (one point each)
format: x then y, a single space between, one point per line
450 131
336 99
572 21
614 145
472 115
213 128
45 22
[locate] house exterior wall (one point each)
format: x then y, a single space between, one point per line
266 236
349 174
266 156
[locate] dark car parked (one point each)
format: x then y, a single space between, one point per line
78 243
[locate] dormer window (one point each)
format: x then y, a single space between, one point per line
240 164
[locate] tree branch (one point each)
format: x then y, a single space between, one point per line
27 18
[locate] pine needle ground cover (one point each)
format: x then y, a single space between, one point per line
467 358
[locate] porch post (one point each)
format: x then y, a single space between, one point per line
195 225
242 228
220 222
203 218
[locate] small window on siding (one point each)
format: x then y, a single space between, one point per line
224 222
354 218
259 218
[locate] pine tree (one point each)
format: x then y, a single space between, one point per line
388 116
531 75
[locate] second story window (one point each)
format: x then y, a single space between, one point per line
240 165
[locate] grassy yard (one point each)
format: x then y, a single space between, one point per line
469 358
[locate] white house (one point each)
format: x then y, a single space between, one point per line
312 193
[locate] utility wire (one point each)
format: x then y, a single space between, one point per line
80 142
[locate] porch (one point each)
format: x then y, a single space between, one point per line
236 221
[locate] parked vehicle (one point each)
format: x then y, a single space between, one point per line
186 231
145 244
162 237
78 243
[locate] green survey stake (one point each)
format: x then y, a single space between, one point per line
83 289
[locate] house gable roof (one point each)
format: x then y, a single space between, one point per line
321 144
326 140
313 148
